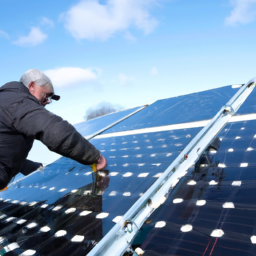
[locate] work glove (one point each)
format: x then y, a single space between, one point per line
100 165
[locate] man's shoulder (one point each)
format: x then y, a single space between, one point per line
11 93
14 85
18 98
18 91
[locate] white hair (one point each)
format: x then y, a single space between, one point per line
35 75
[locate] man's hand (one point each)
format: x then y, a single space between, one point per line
101 164
41 168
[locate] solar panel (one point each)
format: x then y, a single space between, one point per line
93 125
249 106
200 106
67 210
217 214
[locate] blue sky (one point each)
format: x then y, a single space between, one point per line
127 52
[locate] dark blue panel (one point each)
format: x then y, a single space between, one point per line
236 160
91 126
133 161
70 200
249 106
182 109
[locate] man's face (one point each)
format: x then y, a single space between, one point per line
42 93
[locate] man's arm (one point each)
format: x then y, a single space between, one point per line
58 135
29 167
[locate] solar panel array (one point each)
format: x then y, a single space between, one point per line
67 210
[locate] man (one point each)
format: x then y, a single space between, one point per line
23 118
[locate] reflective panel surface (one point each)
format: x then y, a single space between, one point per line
70 198
211 211
181 109
249 106
93 125
216 213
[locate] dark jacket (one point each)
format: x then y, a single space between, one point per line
23 119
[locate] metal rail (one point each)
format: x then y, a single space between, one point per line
116 241
89 137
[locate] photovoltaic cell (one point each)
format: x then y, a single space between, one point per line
200 106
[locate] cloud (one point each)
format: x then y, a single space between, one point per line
46 22
154 71
129 37
244 12
91 20
124 79
70 76
35 37
4 34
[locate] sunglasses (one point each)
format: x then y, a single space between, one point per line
50 97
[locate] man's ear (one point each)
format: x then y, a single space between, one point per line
31 87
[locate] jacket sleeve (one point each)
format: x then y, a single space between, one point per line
58 135
29 167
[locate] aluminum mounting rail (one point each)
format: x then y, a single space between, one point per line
89 137
120 237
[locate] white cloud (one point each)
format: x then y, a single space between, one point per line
47 22
35 37
129 37
154 71
4 34
244 12
124 79
91 20
70 76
